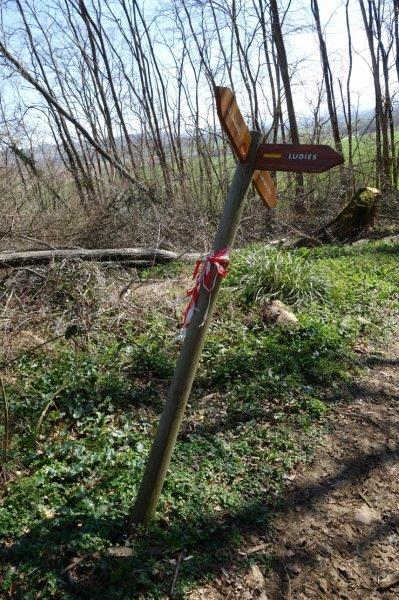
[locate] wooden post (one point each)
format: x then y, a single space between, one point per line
186 367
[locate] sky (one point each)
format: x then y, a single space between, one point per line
302 50
332 14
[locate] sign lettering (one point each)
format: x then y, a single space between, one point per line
305 158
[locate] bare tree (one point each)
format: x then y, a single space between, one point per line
372 25
285 76
328 79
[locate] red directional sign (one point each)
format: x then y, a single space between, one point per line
305 158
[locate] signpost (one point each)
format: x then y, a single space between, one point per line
253 158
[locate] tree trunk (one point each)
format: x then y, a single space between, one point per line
283 63
141 256
332 109
356 218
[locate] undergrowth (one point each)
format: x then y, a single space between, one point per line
261 273
82 413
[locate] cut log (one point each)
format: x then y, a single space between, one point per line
354 220
132 256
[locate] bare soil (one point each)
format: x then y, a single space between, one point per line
337 535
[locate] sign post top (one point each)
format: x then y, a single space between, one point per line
239 135
299 158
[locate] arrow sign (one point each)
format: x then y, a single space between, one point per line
232 122
238 133
265 187
304 158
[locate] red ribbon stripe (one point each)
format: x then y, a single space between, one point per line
205 276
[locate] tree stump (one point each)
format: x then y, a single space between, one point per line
354 220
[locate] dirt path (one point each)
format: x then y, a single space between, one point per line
341 538
338 534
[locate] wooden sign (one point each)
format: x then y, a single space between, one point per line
238 133
232 122
303 158
265 187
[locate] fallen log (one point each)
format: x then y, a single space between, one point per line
355 219
131 256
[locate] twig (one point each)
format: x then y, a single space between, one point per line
67 335
363 497
289 591
49 403
177 569
8 301
125 289
300 232
6 438
32 239
32 271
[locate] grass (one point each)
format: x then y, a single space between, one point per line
259 274
83 412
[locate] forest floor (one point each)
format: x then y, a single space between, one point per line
282 483
337 534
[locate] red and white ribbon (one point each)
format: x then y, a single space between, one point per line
205 276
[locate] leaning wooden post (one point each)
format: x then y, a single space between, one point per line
169 424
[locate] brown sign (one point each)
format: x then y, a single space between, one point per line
238 133
303 158
265 187
232 122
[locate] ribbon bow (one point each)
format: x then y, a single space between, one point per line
205 276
